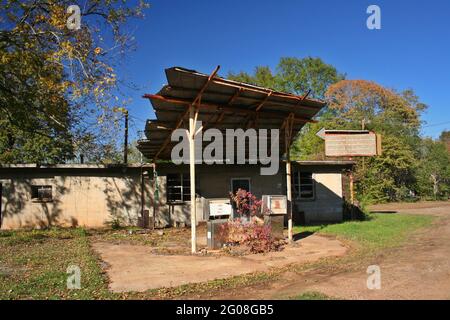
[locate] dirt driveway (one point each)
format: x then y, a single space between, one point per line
420 269
138 268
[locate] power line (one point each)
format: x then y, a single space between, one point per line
436 124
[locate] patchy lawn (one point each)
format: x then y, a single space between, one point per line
33 264
379 231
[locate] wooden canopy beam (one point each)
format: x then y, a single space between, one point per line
264 101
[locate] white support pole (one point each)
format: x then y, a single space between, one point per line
289 195
192 179
287 143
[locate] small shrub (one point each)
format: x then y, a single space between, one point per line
253 234
116 222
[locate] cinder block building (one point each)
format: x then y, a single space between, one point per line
93 196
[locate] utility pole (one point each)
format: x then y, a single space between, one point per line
125 147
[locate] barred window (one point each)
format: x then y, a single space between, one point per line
178 187
41 193
303 185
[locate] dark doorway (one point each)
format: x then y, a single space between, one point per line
240 183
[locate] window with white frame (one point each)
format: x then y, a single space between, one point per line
178 187
303 185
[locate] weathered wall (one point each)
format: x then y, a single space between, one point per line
93 197
328 204
215 182
80 198
212 182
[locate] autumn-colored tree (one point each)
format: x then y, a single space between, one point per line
396 116
392 112
58 86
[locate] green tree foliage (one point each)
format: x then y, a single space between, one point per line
389 177
298 76
134 155
445 139
263 77
433 172
58 87
293 75
408 166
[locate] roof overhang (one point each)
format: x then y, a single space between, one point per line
221 104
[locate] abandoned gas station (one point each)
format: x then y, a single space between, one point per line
160 193
314 191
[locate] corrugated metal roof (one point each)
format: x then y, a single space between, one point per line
225 104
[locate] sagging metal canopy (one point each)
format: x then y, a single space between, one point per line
221 104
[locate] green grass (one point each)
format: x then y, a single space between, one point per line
311 295
33 265
379 231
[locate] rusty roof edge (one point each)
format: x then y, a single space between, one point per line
243 84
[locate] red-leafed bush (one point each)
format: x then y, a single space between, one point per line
246 203
253 234
248 230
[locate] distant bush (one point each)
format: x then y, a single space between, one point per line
116 222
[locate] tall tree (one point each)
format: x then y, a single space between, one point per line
298 76
433 173
445 139
58 87
396 116
308 74
294 75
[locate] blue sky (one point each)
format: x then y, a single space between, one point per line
412 49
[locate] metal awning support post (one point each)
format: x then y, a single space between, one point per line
192 116
287 144
289 197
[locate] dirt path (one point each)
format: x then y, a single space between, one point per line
420 269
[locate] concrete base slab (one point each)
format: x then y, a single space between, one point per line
136 268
